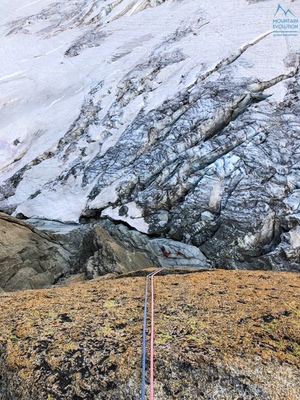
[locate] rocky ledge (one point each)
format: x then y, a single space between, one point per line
42 253
219 335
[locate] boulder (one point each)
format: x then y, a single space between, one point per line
111 256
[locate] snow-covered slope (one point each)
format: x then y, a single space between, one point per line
180 118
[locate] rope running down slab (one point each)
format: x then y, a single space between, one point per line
143 387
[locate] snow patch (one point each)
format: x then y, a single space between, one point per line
133 216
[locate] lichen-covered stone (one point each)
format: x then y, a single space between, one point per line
218 334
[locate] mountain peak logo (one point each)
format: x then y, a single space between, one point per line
285 22
285 12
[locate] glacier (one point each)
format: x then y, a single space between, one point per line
177 119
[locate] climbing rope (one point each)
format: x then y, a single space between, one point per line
152 337
151 275
143 387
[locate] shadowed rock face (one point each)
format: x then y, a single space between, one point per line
183 128
30 259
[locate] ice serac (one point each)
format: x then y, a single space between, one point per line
179 119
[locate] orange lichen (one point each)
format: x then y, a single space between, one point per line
85 340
